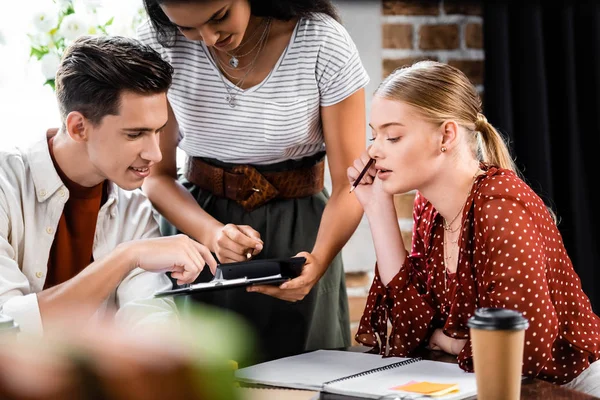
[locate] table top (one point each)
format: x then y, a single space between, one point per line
530 388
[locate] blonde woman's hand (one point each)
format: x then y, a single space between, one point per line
369 191
439 341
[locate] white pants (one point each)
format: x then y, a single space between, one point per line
588 381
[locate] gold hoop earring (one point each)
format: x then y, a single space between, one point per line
443 149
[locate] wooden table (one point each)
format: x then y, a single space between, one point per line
531 389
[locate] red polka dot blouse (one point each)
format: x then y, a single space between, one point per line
511 256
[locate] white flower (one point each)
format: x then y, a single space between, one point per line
73 26
46 20
93 3
63 4
42 40
86 6
49 65
121 26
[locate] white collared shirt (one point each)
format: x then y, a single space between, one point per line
32 199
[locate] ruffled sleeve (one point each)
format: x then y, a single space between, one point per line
404 302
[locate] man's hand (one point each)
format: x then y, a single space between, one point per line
297 288
439 341
234 242
182 256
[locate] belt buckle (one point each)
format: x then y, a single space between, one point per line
262 189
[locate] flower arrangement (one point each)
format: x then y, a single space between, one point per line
54 28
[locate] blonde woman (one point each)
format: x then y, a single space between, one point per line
481 236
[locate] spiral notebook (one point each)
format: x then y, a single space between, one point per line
363 375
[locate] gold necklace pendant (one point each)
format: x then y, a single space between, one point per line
230 98
448 225
448 228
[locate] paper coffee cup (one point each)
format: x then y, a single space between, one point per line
497 339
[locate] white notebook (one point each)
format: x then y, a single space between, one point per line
357 374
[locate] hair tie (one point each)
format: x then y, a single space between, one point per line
480 122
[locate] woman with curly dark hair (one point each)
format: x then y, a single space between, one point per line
262 91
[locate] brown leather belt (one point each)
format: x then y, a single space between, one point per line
250 188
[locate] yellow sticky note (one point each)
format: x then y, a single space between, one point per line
429 388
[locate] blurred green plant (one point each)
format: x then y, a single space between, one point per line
190 357
215 335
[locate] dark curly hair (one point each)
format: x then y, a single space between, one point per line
284 10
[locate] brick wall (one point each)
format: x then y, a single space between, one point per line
445 31
437 30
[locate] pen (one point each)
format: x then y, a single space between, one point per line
362 174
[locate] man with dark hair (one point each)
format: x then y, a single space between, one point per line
76 233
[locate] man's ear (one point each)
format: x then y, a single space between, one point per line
449 134
77 126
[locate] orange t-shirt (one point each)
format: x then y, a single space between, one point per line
71 250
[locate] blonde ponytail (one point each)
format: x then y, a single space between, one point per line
493 149
442 92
